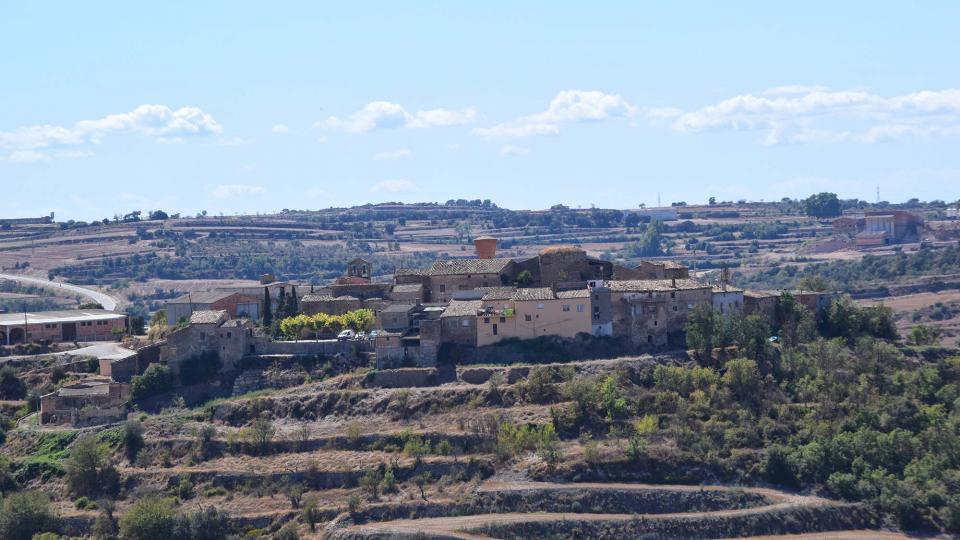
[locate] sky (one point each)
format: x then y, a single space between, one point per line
244 107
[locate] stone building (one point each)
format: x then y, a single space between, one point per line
85 403
652 313
727 300
459 322
209 332
527 313
662 270
234 303
397 317
444 278
407 292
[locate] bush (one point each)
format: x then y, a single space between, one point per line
25 514
155 380
202 368
11 387
88 471
288 532
204 524
132 439
150 518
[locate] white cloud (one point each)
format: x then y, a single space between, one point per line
387 115
25 156
280 128
234 141
223 191
393 154
511 150
815 114
569 106
157 121
395 185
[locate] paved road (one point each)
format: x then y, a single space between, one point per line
103 299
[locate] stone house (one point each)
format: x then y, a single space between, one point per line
459 322
527 313
397 317
209 331
727 300
652 313
447 277
234 303
662 270
85 403
407 292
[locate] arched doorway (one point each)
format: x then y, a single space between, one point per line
16 335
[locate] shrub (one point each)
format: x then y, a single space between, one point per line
132 439
311 511
156 379
25 514
89 472
11 387
288 532
150 518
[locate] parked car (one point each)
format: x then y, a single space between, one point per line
345 335
372 336
362 336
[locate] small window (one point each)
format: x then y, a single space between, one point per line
486 320
580 308
539 306
674 308
503 319
673 294
656 323
649 339
494 329
229 335
566 307
464 323
527 317
442 288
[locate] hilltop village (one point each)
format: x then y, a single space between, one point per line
455 311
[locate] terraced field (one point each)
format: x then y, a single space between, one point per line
425 462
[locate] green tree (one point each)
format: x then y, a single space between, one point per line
26 513
156 379
311 511
267 313
89 472
753 339
524 278
742 378
132 439
150 518
11 387
701 328
822 205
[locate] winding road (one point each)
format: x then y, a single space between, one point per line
105 300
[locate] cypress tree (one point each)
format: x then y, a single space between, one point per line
267 314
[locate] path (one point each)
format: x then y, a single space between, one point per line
105 300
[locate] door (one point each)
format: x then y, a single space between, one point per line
69 331
494 329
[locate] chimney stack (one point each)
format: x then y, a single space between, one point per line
486 247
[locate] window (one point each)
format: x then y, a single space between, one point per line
566 307
580 308
486 320
503 319
494 329
655 323
442 288
673 294
649 339
539 306
465 323
596 297
674 308
527 317
229 335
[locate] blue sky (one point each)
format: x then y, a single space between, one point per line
233 107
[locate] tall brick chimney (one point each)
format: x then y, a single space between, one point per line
486 247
